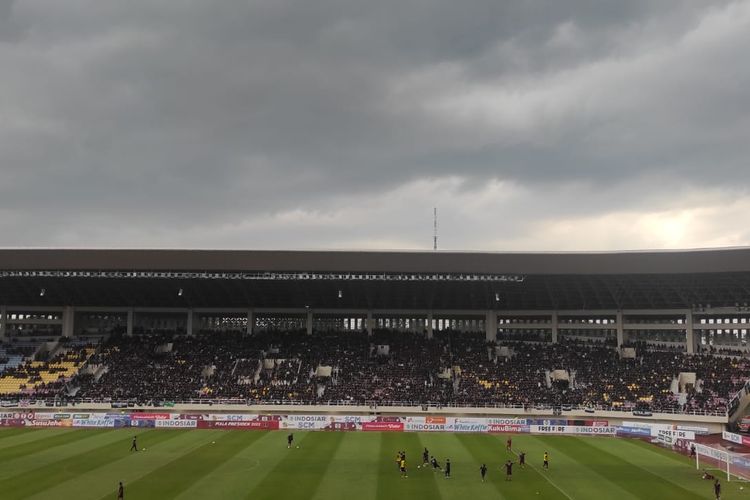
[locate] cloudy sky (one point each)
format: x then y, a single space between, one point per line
530 125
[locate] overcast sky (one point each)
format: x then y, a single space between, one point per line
530 125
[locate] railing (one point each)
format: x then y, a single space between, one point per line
734 403
371 404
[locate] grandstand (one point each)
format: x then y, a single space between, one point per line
559 349
646 331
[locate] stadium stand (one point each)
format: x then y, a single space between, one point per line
666 331
28 372
390 367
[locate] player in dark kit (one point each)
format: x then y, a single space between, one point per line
289 440
545 463
447 468
522 460
120 492
134 446
483 471
425 457
508 470
435 464
717 490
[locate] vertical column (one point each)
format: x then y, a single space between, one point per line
68 320
129 327
490 326
3 320
691 343
620 329
429 325
369 323
250 322
309 322
190 322
555 327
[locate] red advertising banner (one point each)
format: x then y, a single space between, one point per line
150 416
12 422
383 426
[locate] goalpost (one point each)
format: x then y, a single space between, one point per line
735 465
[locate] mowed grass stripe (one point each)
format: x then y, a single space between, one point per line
298 474
177 475
352 469
6 432
62 439
667 465
569 470
390 484
657 450
101 482
235 477
465 478
28 435
41 478
525 483
48 456
635 477
686 472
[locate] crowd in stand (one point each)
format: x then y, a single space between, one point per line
451 368
42 373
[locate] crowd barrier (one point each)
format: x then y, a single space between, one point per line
378 423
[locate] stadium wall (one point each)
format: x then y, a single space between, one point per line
362 423
294 414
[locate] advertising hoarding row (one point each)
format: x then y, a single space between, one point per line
369 423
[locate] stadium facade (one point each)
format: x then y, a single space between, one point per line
686 298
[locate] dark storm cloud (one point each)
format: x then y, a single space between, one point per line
319 123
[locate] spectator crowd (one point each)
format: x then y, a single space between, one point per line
389 367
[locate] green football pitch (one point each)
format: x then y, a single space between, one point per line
208 464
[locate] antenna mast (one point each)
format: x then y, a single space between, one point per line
434 229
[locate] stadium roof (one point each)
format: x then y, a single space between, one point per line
374 280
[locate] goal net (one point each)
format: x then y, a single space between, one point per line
735 465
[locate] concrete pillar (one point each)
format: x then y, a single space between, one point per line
369 323
691 341
68 321
429 325
490 326
620 329
189 328
129 327
309 322
555 327
250 322
3 320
